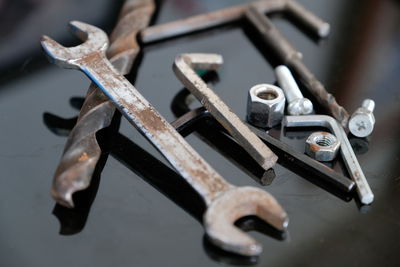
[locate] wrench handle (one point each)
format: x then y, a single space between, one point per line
141 114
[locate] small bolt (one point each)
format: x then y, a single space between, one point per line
362 121
298 105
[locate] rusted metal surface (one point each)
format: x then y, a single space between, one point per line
184 66
82 152
350 159
231 14
225 202
255 13
290 57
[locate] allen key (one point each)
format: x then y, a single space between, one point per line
296 160
228 15
255 13
363 189
184 66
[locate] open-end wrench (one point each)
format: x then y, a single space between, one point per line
363 189
184 66
225 202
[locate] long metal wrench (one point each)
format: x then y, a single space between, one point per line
225 202
350 159
82 152
184 66
293 59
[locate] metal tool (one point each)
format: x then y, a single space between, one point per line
73 173
290 57
231 14
82 152
322 146
361 123
226 203
265 105
297 104
350 159
288 156
184 66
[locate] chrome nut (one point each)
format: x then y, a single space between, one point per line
322 146
265 105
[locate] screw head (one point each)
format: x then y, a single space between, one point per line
361 123
300 106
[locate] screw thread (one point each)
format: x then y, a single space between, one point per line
287 83
368 104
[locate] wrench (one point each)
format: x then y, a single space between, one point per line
183 68
225 202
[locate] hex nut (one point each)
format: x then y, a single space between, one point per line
265 105
322 146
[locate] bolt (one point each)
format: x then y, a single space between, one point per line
298 105
362 121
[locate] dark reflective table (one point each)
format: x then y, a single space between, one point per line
138 211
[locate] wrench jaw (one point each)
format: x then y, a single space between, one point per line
234 204
94 41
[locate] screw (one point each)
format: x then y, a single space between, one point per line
298 105
362 121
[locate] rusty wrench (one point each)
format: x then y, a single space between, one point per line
225 202
184 66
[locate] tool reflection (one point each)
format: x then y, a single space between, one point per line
150 169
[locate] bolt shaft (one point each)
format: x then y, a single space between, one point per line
368 104
287 83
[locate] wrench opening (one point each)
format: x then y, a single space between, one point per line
69 57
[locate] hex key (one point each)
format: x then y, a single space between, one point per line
298 161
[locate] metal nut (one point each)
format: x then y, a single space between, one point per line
265 105
322 146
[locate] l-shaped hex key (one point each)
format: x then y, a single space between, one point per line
287 155
184 66
350 159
